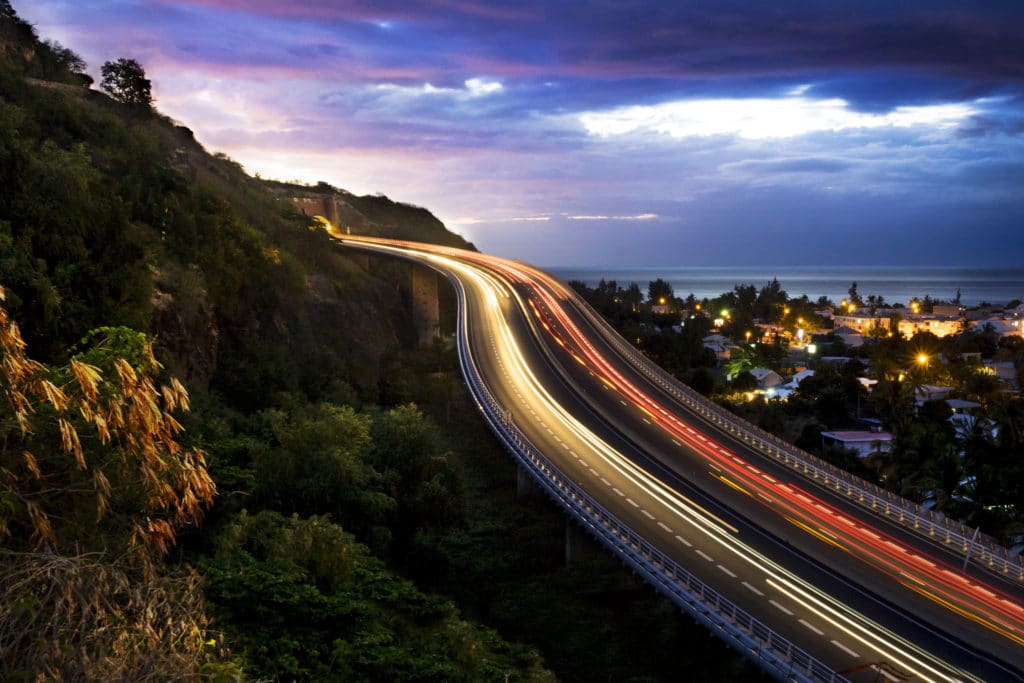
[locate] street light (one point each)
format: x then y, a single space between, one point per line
922 359
747 335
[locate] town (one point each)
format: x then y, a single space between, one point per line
921 398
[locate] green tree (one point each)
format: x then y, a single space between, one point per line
660 289
313 463
306 602
125 81
407 453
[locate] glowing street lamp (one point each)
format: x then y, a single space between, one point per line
922 359
747 335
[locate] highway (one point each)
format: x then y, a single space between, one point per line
806 581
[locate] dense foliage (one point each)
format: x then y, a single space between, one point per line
130 256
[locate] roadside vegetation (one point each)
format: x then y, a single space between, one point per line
223 456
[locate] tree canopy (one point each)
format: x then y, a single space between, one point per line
125 80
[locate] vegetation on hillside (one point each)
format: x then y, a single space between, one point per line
131 257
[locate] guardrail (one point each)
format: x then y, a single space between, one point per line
768 649
975 546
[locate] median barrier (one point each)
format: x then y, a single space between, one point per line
976 547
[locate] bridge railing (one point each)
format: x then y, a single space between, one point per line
975 546
770 650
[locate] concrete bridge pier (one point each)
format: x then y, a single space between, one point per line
526 487
579 545
425 307
360 258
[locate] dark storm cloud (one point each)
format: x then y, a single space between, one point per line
950 49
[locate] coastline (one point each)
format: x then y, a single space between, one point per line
897 284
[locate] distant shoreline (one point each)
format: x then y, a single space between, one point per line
897 284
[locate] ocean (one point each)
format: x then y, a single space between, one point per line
996 286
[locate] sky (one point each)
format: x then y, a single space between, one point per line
613 133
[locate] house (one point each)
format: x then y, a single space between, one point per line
862 323
930 392
867 383
864 442
963 418
1004 328
948 310
766 378
795 380
719 344
938 325
849 335
783 391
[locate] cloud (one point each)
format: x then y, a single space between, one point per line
636 217
472 88
765 118
589 131
790 165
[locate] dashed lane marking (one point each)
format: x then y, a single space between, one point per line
752 589
632 502
705 556
812 627
662 525
606 482
618 491
647 514
845 649
781 608
684 541
727 570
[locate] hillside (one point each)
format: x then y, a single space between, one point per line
112 220
266 534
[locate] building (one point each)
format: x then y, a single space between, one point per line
864 442
948 310
1001 326
940 326
863 322
849 336
766 378
930 392
719 344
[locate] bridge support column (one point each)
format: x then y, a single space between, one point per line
425 308
360 258
526 487
576 541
